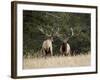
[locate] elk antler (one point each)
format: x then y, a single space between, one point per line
44 31
59 34
72 33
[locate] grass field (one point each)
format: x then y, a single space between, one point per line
57 61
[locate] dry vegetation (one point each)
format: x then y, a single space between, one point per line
57 61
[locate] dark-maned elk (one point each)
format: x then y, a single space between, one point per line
65 47
47 49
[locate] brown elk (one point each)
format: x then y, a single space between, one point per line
65 47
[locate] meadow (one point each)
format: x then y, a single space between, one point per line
57 61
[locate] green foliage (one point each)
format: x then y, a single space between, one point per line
50 21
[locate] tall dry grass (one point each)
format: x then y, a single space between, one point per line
57 61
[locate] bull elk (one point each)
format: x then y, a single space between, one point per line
47 48
65 47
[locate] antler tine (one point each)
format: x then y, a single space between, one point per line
40 29
57 31
72 31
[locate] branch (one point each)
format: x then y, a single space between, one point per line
53 15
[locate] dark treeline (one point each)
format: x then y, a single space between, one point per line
50 21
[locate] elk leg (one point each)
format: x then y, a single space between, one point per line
42 52
51 53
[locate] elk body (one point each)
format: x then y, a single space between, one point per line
47 47
65 49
